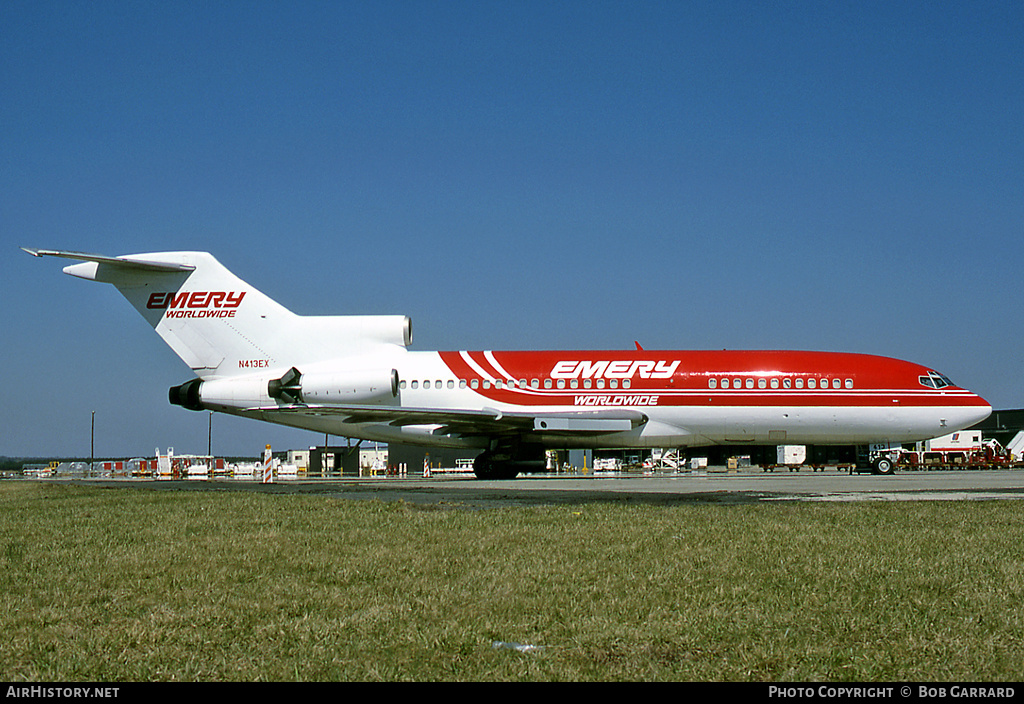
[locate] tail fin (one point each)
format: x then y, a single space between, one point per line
221 326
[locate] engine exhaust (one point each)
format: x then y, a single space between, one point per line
187 395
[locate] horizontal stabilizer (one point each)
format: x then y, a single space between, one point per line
126 262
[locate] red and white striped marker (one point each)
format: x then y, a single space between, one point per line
268 466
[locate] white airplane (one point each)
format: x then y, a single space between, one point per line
354 376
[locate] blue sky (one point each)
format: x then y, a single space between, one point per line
512 175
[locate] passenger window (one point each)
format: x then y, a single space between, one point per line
451 384
837 384
462 383
561 383
712 383
474 384
775 383
415 384
535 383
812 384
849 383
799 383
787 383
547 383
613 383
574 383
762 383
401 384
750 383
627 383
587 383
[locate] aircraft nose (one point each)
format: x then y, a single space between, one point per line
976 411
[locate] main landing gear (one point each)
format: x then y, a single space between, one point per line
883 465
509 462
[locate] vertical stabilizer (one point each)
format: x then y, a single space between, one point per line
220 325
210 318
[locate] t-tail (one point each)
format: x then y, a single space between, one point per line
222 326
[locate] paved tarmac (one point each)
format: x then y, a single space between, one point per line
717 487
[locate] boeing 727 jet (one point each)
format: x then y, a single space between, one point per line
355 376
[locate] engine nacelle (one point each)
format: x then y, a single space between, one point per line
238 392
199 395
330 334
359 386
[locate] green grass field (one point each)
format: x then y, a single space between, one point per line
136 585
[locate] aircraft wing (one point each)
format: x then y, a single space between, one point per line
484 422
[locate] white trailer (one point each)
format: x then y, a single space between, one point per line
791 455
963 441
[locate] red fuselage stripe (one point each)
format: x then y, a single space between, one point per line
684 379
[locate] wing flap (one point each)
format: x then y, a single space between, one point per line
476 422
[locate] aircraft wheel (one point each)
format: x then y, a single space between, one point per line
884 465
485 467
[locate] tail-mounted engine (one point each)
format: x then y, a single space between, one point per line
362 386
252 392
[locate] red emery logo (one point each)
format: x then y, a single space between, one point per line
617 369
196 304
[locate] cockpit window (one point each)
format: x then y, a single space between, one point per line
934 380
